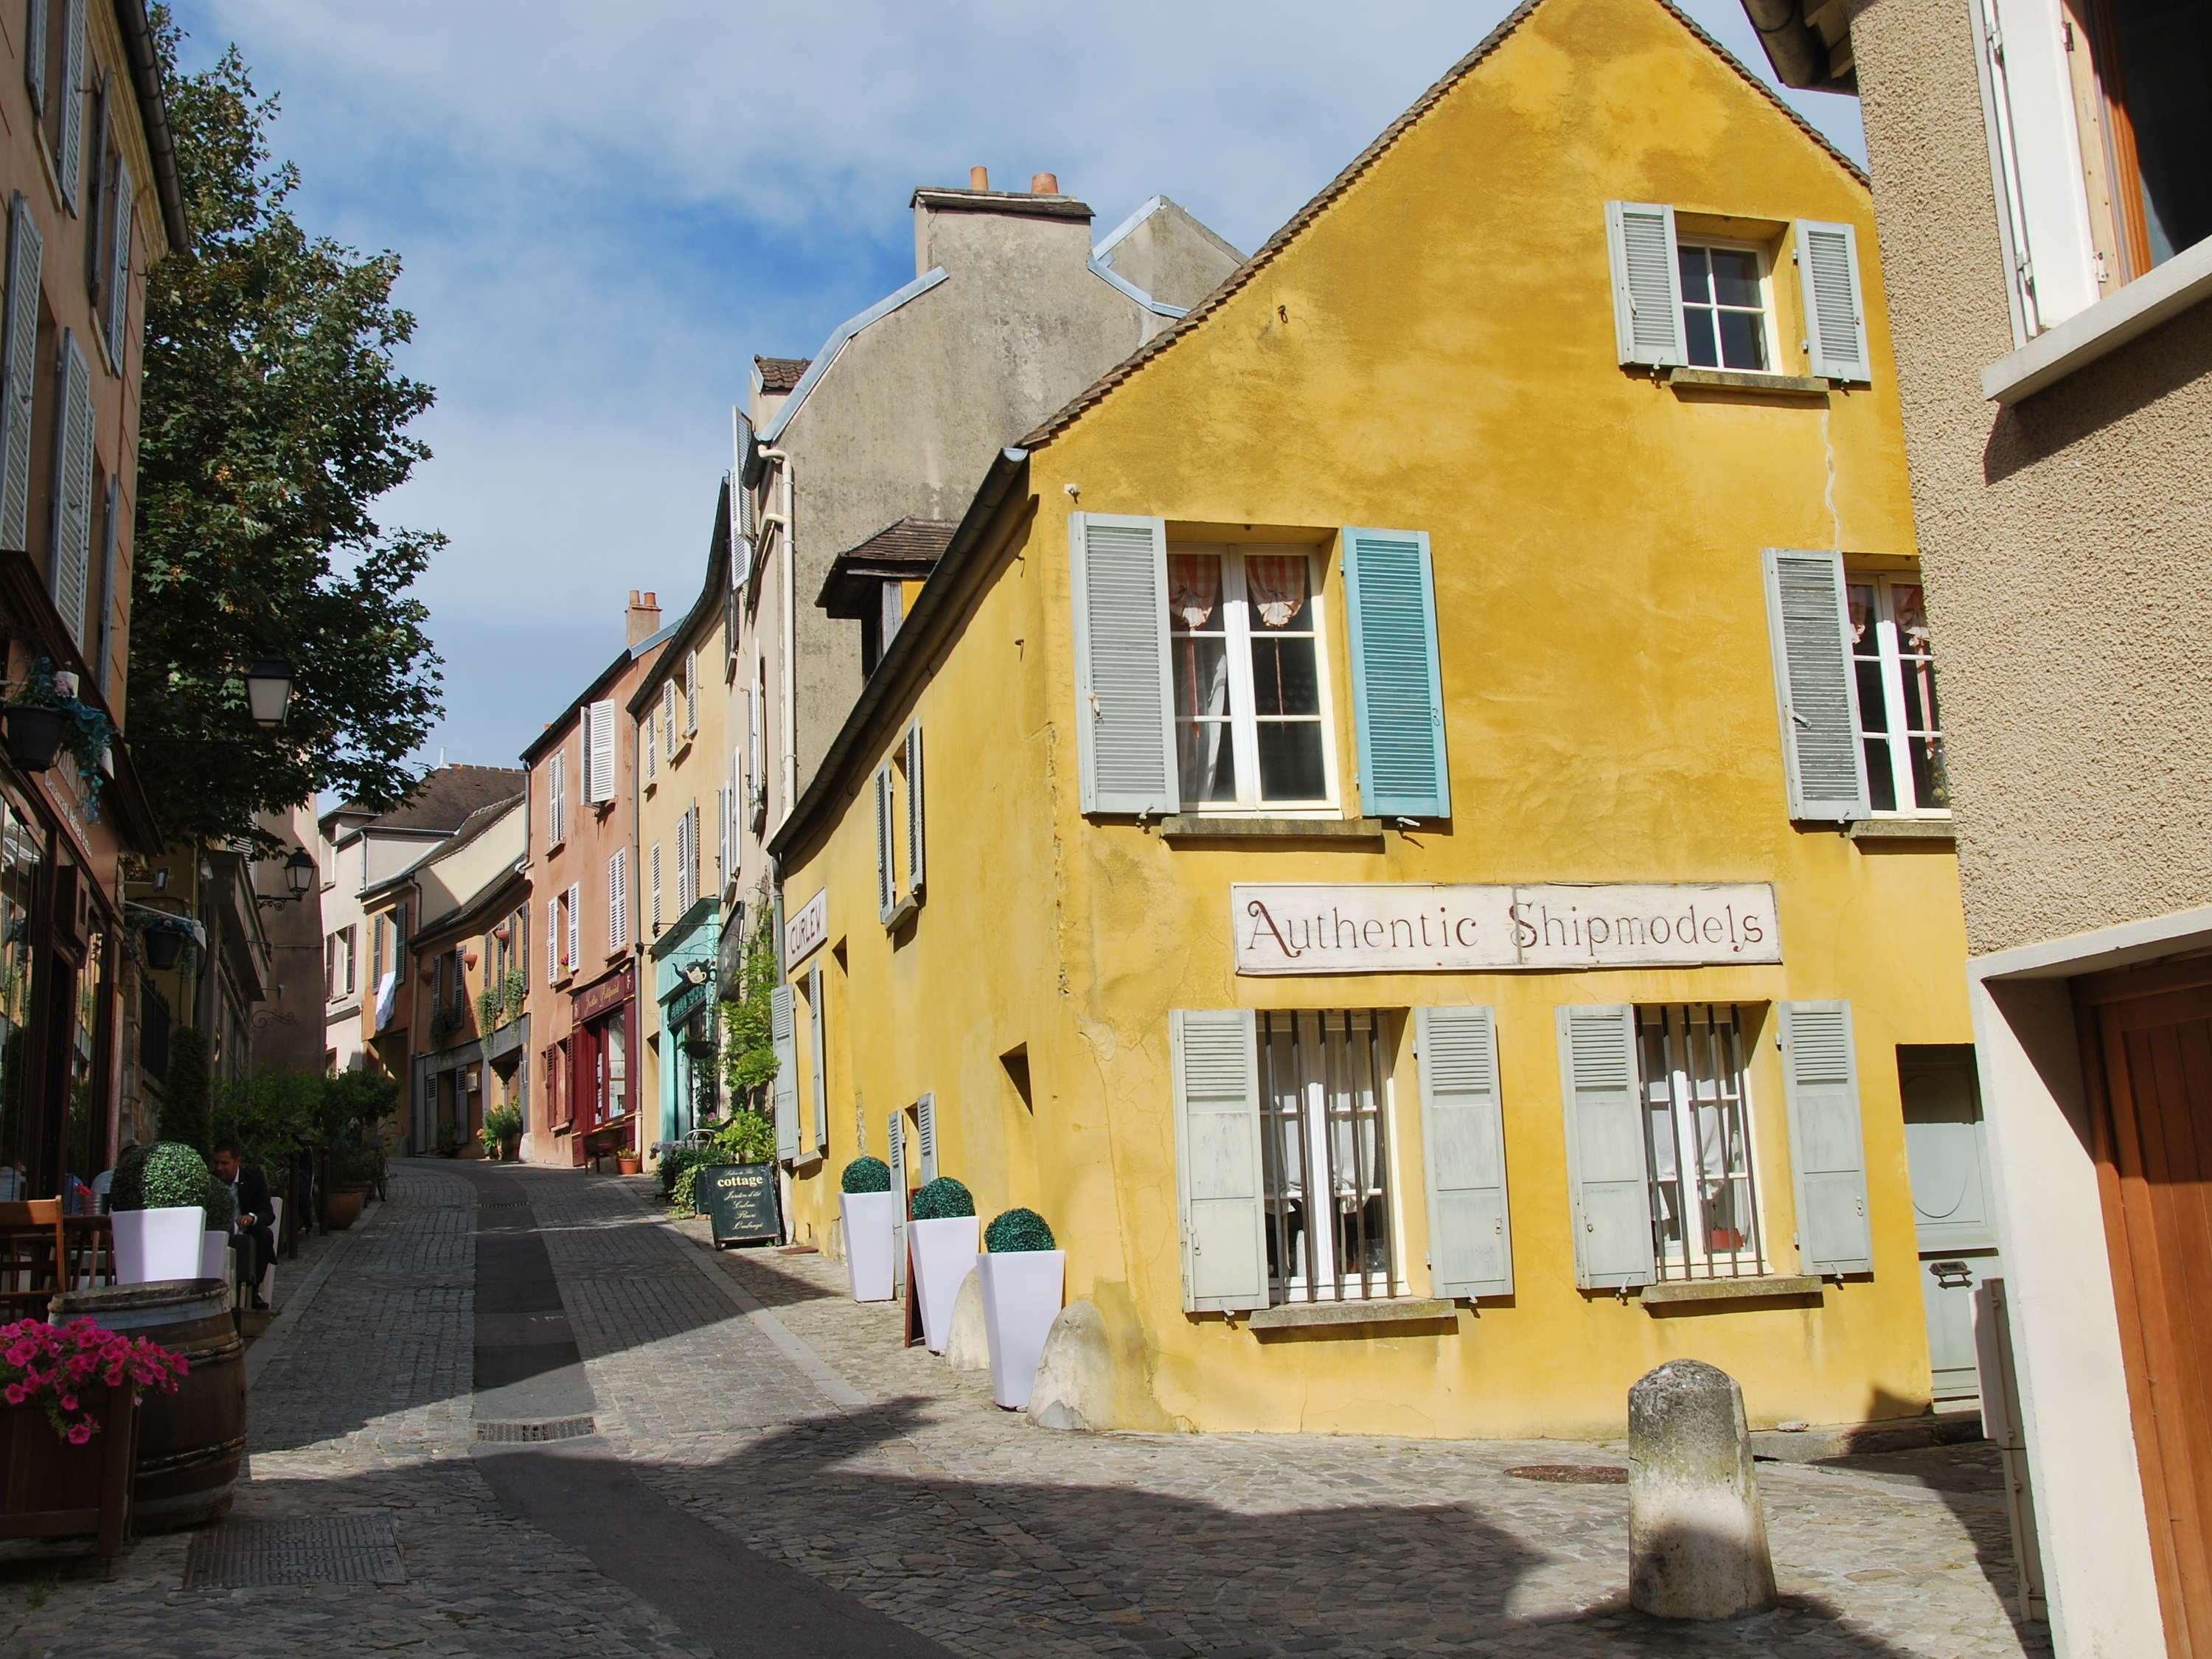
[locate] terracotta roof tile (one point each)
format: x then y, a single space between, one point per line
449 796
779 374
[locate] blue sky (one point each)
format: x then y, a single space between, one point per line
606 207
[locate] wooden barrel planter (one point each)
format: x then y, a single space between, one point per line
190 1443
51 1489
342 1206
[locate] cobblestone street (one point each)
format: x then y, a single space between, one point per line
783 1458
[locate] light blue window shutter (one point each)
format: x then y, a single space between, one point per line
925 1125
72 541
18 386
1810 625
784 1091
894 1155
1647 283
1397 683
1827 1154
1606 1175
817 1044
1124 700
1835 311
1463 1149
886 868
104 647
914 850
34 62
1219 1181
118 274
69 164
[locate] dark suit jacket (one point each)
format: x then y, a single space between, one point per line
253 1199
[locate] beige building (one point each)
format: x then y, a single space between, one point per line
2042 196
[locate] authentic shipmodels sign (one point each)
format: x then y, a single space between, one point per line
1285 928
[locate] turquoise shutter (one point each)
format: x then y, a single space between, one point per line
1835 311
784 1091
1397 684
1220 1181
1827 1154
1124 700
19 383
69 164
1606 1175
1810 627
1647 283
1463 1152
817 1020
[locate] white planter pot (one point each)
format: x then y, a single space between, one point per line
152 1245
215 1257
944 1252
868 1218
1021 1298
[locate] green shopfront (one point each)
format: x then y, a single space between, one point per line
683 981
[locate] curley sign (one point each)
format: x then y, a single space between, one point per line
1285 928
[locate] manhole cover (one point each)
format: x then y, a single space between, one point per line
346 1549
558 1428
1572 1474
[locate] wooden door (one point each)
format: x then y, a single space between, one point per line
2148 1033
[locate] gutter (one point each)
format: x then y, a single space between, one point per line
154 115
933 614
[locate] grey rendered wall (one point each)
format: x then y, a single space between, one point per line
1173 258
2067 541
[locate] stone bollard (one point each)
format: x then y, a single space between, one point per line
968 1344
1696 1534
1075 1373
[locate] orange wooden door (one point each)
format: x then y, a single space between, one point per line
2148 1038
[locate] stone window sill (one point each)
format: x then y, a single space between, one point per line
1710 1291
1791 388
1398 1310
2164 291
1201 826
901 913
1901 829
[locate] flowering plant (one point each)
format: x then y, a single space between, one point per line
53 1365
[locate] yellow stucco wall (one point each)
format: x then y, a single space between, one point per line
1435 352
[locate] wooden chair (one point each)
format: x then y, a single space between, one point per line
91 1250
34 1256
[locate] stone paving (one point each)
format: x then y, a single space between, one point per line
968 1524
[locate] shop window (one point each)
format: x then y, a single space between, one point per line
1697 1142
1324 1146
1892 657
1244 651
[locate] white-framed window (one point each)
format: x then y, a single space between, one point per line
1246 651
556 799
1330 1215
1900 729
1727 313
1697 1151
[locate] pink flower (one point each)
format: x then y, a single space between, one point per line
115 1377
69 1402
17 1394
79 1433
21 1353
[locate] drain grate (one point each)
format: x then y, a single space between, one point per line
1572 1474
558 1428
345 1549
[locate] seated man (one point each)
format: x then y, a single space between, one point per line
254 1238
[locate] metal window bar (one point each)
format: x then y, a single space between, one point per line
1704 1193
1324 1156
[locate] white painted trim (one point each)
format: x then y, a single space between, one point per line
1115 280
1104 249
837 342
2162 292
2107 947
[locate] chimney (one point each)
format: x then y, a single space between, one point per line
1044 184
979 177
644 617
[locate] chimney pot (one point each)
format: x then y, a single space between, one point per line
1044 184
979 177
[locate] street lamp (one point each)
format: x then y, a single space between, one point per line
269 690
299 877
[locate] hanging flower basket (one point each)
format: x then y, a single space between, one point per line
44 712
34 736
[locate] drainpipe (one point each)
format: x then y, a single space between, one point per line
790 675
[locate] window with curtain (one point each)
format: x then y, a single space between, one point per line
1244 651
1892 656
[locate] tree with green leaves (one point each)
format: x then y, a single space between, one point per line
275 417
748 1045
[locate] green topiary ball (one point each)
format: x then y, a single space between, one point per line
942 1200
1016 1232
867 1174
167 1176
221 1208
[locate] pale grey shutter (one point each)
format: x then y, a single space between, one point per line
35 55
575 924
895 1154
118 271
599 752
1810 623
818 1047
924 1134
886 870
18 387
656 887
1463 1150
73 496
1220 1183
109 508
1124 703
690 692
913 853
784 1091
552 942
721 835
69 164
1835 312
1647 283
1606 1175
1827 1154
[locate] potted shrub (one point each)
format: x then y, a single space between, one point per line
159 1205
868 1209
352 1174
942 1239
222 1210
1022 1276
502 1131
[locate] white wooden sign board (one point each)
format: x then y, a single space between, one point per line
1291 928
804 933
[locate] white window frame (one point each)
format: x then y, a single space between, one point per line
1691 1256
1771 338
1243 724
1890 653
1366 1286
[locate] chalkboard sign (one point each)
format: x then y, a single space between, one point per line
739 1199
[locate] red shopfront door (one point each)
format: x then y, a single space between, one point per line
598 1057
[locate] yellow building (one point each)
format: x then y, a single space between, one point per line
1432 874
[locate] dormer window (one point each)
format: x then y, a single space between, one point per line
867 583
